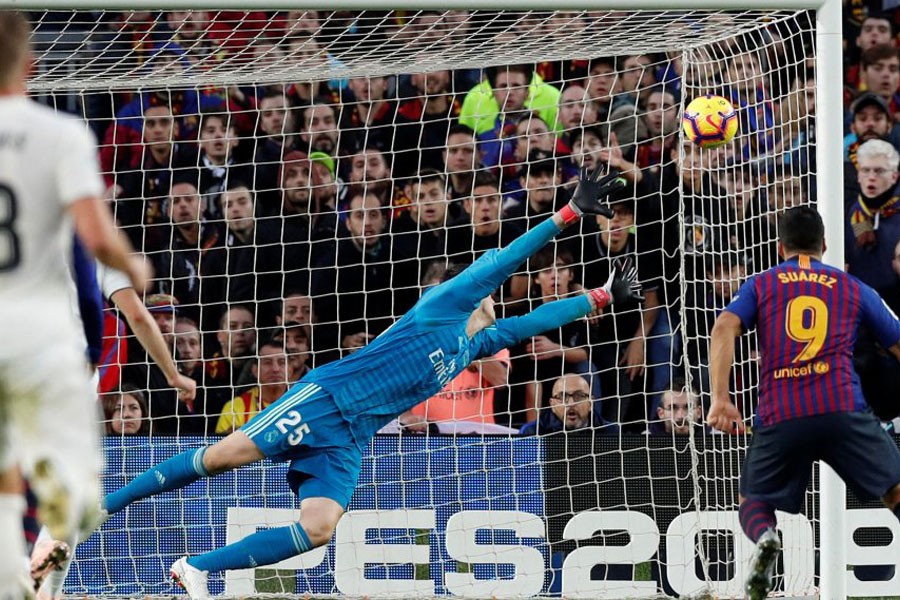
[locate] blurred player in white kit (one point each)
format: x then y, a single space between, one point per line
49 182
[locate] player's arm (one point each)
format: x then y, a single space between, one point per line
723 414
98 233
148 334
90 300
465 291
622 287
881 320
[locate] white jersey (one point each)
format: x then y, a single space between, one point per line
47 161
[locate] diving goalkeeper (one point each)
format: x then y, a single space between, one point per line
324 422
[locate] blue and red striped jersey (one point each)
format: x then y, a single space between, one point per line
807 315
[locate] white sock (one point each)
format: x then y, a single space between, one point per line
53 584
12 548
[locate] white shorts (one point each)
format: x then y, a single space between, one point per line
48 409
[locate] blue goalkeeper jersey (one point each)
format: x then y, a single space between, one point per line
420 353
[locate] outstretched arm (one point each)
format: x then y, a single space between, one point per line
464 292
622 287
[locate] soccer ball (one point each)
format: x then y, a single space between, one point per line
709 121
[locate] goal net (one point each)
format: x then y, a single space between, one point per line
298 179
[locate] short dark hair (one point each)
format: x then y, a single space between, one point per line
428 175
225 118
877 53
800 229
525 69
460 129
485 178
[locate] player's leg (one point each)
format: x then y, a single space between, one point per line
235 450
12 549
774 476
892 500
322 474
866 458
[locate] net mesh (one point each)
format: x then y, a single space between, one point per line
298 179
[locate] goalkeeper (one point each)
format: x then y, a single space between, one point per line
325 421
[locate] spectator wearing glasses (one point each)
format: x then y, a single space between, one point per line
873 226
571 409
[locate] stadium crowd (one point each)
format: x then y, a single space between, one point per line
289 224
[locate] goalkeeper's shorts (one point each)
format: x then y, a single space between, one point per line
306 428
779 461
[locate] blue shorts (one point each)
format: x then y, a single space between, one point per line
779 461
306 427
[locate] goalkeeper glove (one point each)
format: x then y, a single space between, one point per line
589 196
622 286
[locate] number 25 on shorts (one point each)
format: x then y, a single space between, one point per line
291 426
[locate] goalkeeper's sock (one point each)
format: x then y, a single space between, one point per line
172 474
756 517
12 548
265 547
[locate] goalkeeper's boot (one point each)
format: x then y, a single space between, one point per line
48 556
759 583
193 581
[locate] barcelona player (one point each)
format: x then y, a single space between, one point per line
324 422
811 406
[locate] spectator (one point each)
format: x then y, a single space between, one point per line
539 178
370 169
507 91
318 131
178 265
169 411
881 75
564 350
871 120
873 226
532 136
876 29
276 141
216 160
286 243
297 348
748 89
571 409
271 373
460 162
230 269
623 332
423 123
660 117
357 263
325 185
612 107
189 348
679 409
121 147
191 29
125 412
297 307
575 112
637 76
140 193
482 220
419 233
228 367
514 91
368 116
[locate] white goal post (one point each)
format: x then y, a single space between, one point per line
828 125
